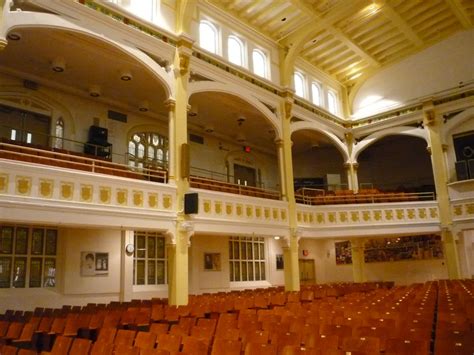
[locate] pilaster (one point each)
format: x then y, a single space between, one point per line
358 260
433 125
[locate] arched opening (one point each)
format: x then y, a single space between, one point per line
231 141
396 163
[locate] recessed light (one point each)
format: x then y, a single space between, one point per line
283 19
144 106
14 36
94 91
58 65
126 76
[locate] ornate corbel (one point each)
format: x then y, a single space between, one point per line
170 104
295 234
186 230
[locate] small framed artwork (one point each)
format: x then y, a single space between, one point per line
93 263
212 261
279 262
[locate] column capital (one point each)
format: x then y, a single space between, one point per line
170 104
279 142
295 235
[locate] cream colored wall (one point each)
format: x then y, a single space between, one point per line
401 272
465 126
76 241
208 156
318 163
440 67
274 247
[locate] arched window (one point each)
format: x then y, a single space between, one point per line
145 9
259 61
208 36
59 134
235 50
299 84
315 94
332 102
145 150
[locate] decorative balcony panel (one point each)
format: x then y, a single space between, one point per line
33 191
360 219
248 214
461 194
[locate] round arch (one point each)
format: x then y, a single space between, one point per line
402 130
211 86
39 20
304 125
38 101
456 121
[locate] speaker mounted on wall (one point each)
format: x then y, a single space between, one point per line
191 203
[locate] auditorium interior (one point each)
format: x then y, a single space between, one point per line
240 173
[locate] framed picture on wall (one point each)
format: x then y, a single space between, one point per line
279 262
94 263
212 261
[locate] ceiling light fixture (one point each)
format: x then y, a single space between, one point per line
126 76
94 91
58 65
209 128
144 106
14 36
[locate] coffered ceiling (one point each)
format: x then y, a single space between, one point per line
350 39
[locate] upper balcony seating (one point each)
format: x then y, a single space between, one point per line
217 185
74 160
321 197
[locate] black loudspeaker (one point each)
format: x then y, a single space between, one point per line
98 135
461 170
191 203
184 160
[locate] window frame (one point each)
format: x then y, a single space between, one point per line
265 63
332 94
30 255
147 258
315 84
146 139
215 29
299 74
242 46
236 257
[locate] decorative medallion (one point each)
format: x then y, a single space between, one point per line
3 182
366 215
167 202
153 200
283 215
239 209
275 213
320 218
86 193
378 215
122 197
311 218
388 215
137 198
104 194
422 213
207 206
249 211
67 189
411 213
470 208
354 216
46 188
332 217
267 212
23 185
433 212
343 216
458 210
258 212
400 214
218 207
228 208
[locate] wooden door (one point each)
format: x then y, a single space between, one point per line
307 272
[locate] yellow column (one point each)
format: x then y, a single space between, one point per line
290 253
126 267
358 261
171 106
3 10
433 125
178 283
281 165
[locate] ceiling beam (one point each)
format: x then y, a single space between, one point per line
402 25
461 14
